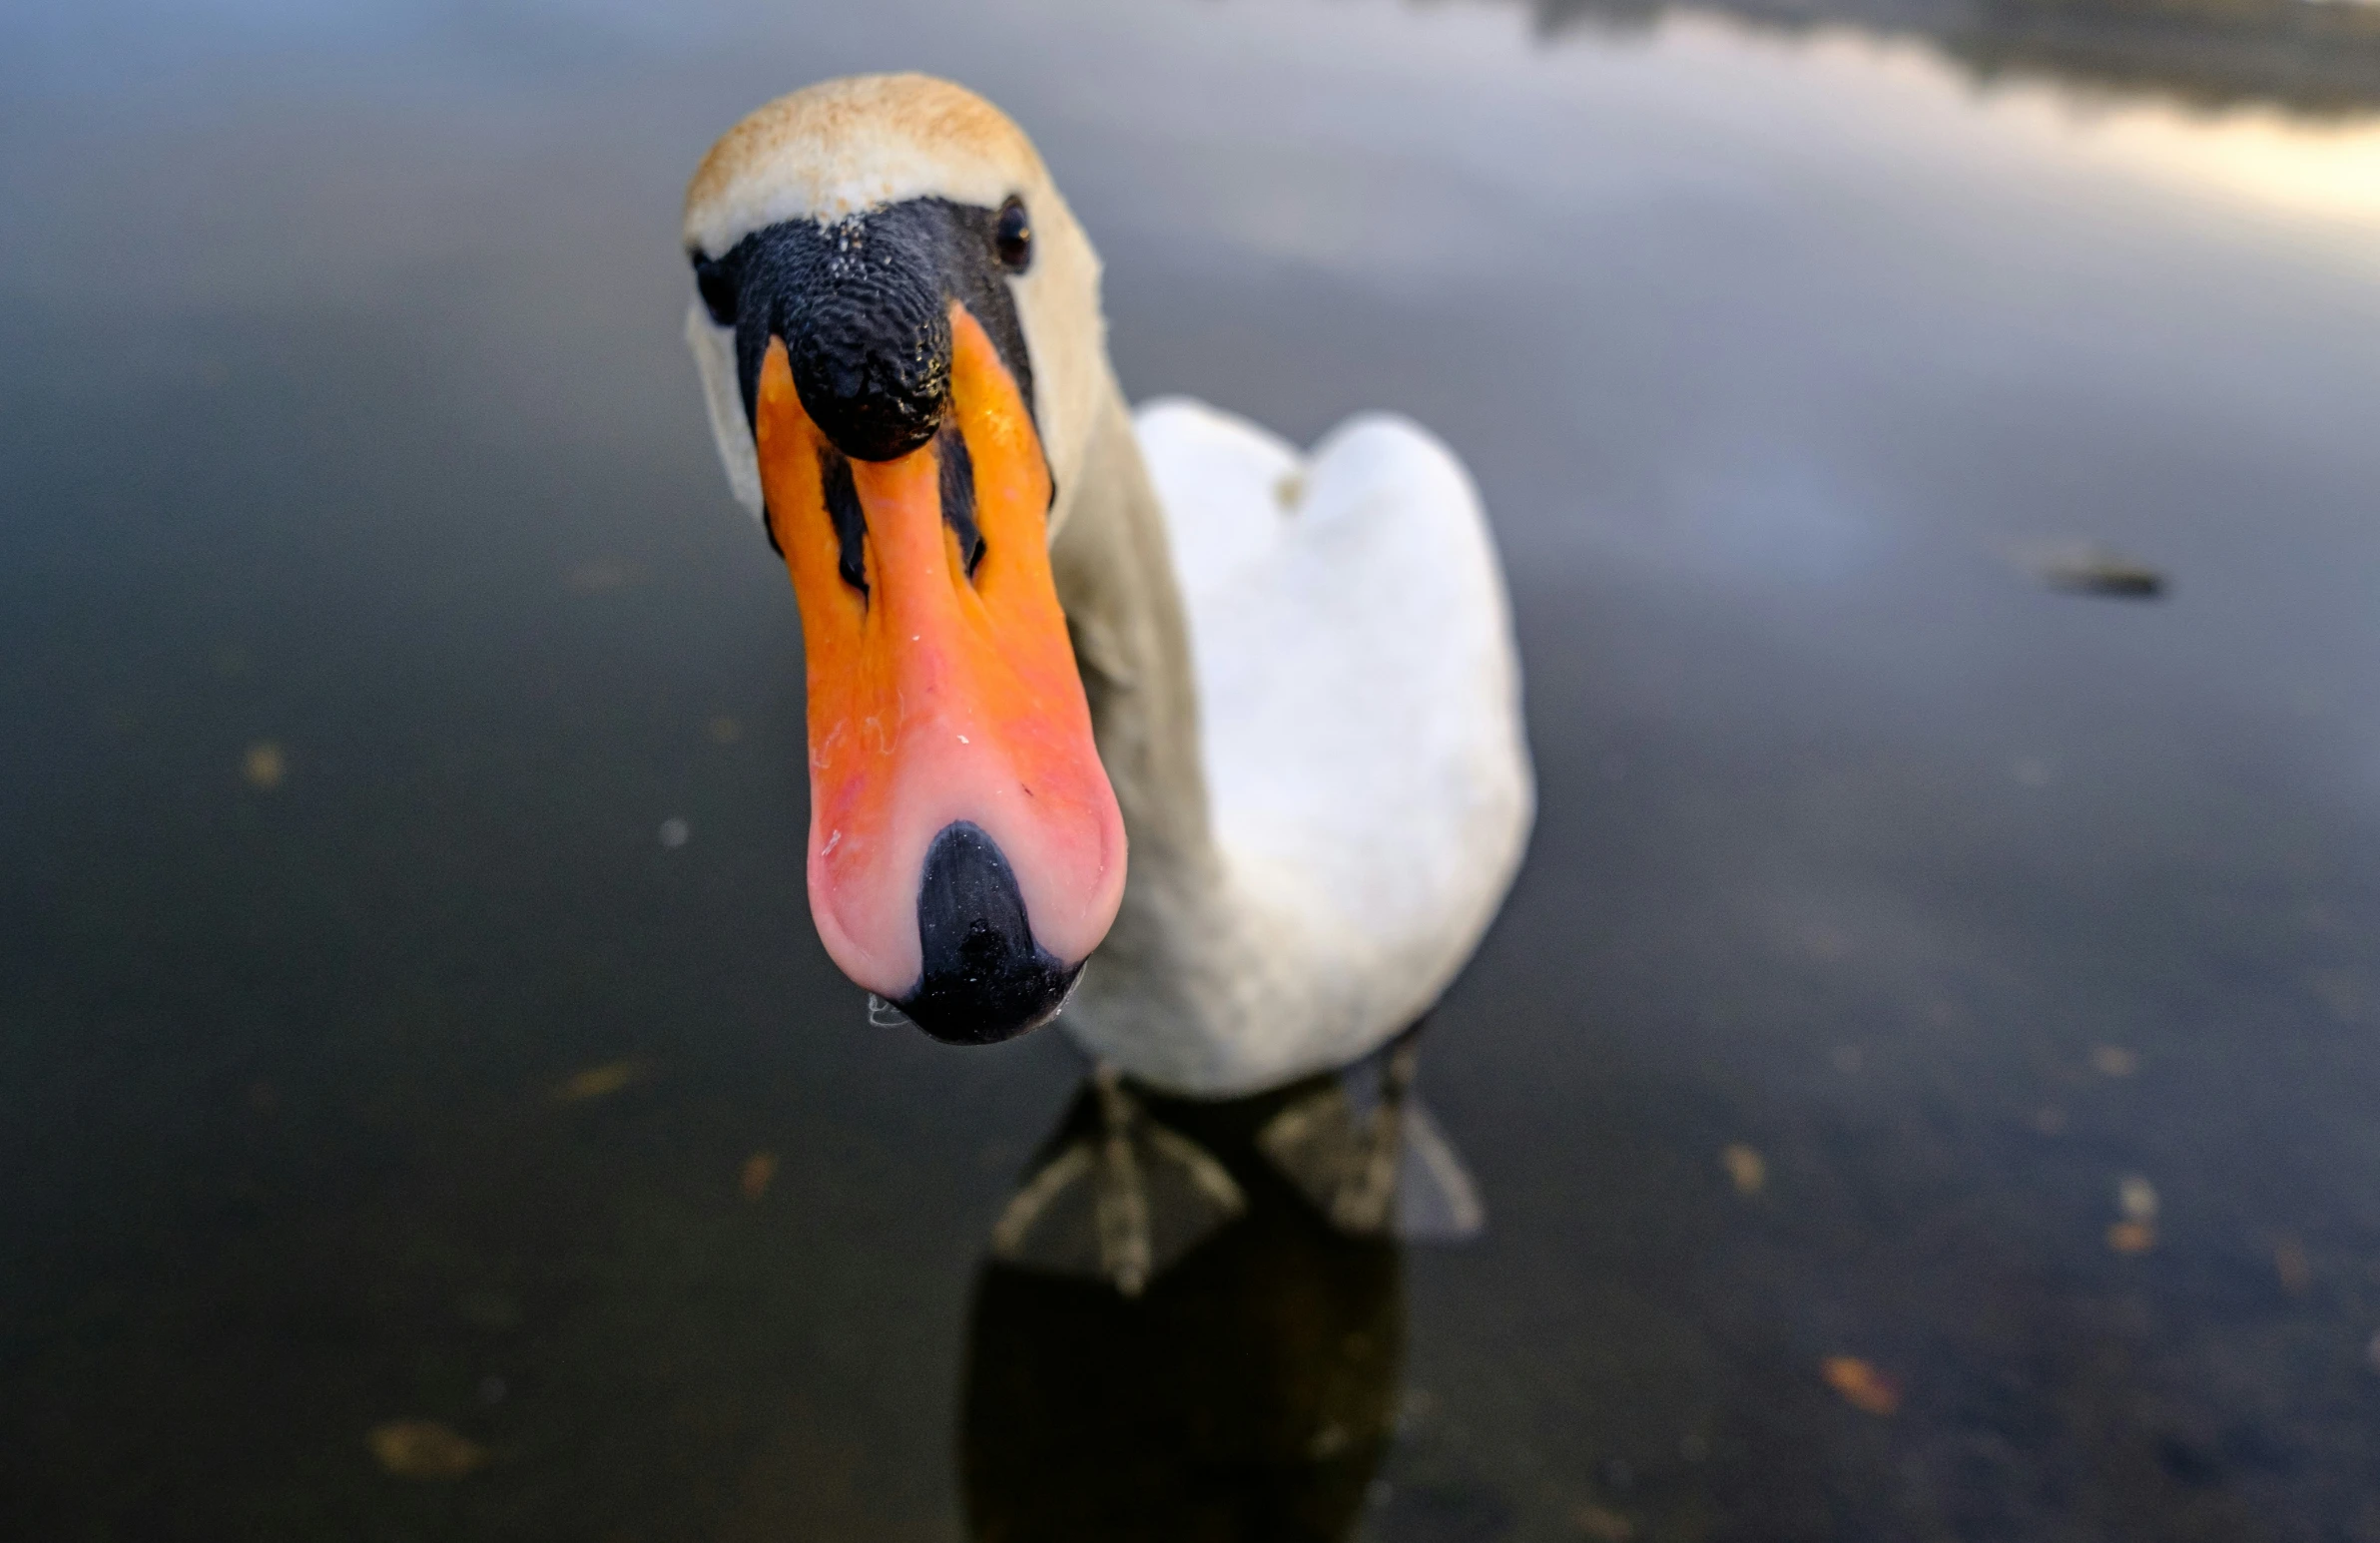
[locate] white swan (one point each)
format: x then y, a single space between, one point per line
1297 669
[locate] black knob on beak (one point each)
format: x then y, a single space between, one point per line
863 306
869 345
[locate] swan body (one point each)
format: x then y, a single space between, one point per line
1297 669
1368 783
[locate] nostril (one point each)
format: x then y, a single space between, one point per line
984 978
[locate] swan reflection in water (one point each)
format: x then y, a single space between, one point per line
1248 1392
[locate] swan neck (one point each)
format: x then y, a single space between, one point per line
1115 578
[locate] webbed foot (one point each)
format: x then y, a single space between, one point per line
1381 1168
1118 1202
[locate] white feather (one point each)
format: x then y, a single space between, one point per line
1360 718
715 358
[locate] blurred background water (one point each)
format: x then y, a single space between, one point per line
1923 1085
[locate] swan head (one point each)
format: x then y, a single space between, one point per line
899 328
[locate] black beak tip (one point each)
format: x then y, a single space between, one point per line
985 979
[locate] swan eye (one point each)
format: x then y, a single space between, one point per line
1012 238
716 283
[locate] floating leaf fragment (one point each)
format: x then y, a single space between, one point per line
1602 1524
759 1170
1861 1386
2290 1261
2132 1236
424 1449
1746 1169
2114 1061
597 1082
264 765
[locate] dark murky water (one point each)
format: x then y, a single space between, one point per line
368 600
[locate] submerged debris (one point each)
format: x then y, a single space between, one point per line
2290 1261
2136 1200
2113 1060
1602 1524
759 1170
264 765
2132 1236
1861 1386
424 1449
597 1082
1746 1169
2094 570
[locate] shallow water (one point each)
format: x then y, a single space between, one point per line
369 600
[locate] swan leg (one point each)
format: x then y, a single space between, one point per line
1118 1202
1382 1169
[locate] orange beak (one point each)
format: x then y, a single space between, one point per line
965 849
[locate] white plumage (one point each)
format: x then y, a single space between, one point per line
1361 740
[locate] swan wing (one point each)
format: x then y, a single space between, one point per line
1360 724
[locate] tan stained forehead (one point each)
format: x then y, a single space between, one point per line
846 146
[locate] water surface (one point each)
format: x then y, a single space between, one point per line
369 600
